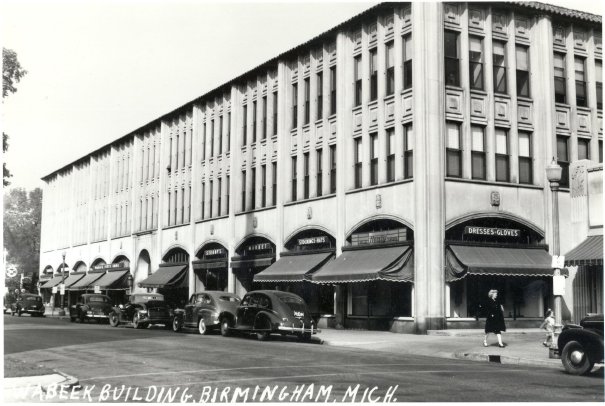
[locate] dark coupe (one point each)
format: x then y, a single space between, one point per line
90 306
207 310
28 303
142 310
265 312
582 346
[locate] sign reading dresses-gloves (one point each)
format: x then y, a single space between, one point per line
500 232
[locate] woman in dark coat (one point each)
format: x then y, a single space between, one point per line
494 323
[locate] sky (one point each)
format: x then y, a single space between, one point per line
98 70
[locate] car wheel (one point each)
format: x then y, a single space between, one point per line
79 318
19 313
264 335
201 326
176 325
114 320
72 319
575 360
136 321
225 324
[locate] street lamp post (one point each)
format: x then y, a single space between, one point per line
62 287
553 174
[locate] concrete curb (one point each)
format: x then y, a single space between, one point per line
506 360
68 382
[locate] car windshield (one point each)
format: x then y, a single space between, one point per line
294 303
33 298
98 299
232 299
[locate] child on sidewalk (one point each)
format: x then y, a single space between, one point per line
549 325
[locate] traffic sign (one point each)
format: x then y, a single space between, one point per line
11 271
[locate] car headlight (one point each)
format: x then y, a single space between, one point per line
89 312
142 311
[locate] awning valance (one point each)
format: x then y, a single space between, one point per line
112 280
293 268
589 252
462 260
387 263
210 264
243 262
166 277
53 282
73 278
85 282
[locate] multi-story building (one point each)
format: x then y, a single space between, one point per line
390 170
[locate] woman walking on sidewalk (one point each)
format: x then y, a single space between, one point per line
494 323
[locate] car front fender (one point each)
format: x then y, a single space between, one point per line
590 340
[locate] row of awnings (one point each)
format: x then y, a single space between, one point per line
109 280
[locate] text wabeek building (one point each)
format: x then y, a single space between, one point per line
390 171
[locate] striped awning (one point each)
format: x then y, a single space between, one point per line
73 278
112 280
589 252
243 262
166 277
53 282
87 281
293 268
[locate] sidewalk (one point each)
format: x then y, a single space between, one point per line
523 346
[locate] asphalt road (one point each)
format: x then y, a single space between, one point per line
154 364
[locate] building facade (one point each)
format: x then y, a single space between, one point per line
391 171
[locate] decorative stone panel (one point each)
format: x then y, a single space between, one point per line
319 134
598 45
600 123
319 58
451 14
502 110
389 110
562 118
306 61
407 102
274 150
559 34
389 23
577 178
293 143
525 113
479 106
407 18
579 39
357 120
373 116
522 27
453 103
333 129
306 137
332 52
499 22
372 33
294 71
357 40
476 20
583 122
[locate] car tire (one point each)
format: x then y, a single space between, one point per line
202 327
136 321
225 325
264 335
72 319
575 360
19 313
176 325
114 319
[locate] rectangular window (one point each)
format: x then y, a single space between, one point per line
333 90
502 157
407 61
243 190
228 132
227 192
390 62
306 175
332 168
263 190
220 136
373 74
253 122
579 64
478 152
453 151
294 105
559 71
274 113
307 101
211 138
253 189
583 148
358 161
522 55
390 154
245 125
599 83
264 118
319 156
408 151
475 56
499 58
525 159
210 213
294 184
274 182
374 159
358 82
452 61
218 197
320 92
601 151
563 159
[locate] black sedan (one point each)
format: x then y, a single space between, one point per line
581 345
142 310
28 303
90 306
266 312
207 310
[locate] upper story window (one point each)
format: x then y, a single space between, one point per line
211 133
499 60
358 80
407 61
320 95
601 151
374 158
210 201
228 132
332 168
390 154
333 90
373 74
583 148
294 105
253 189
579 64
245 124
244 190
599 83
274 182
408 151
478 152
307 117
306 175
294 176
522 56
525 158
390 62
263 185
502 157
563 159
559 72
319 156
274 113
254 121
475 56
453 151
219 195
358 153
220 135
264 118
452 59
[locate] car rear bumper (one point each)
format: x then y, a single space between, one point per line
156 320
97 316
32 311
299 330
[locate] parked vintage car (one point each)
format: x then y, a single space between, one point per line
264 312
208 310
142 310
582 346
90 306
28 303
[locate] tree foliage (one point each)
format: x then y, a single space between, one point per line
22 225
12 72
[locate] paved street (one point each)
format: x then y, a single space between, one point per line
154 361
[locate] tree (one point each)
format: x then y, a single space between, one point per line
22 225
12 72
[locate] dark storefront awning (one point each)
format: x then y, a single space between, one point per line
86 281
112 280
293 268
462 260
241 262
53 282
166 277
589 252
389 263
73 278
210 264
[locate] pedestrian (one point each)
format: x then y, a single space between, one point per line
549 325
494 322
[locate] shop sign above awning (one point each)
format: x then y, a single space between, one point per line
247 262
53 282
293 268
387 263
85 282
112 280
73 278
463 260
217 263
589 252
170 276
